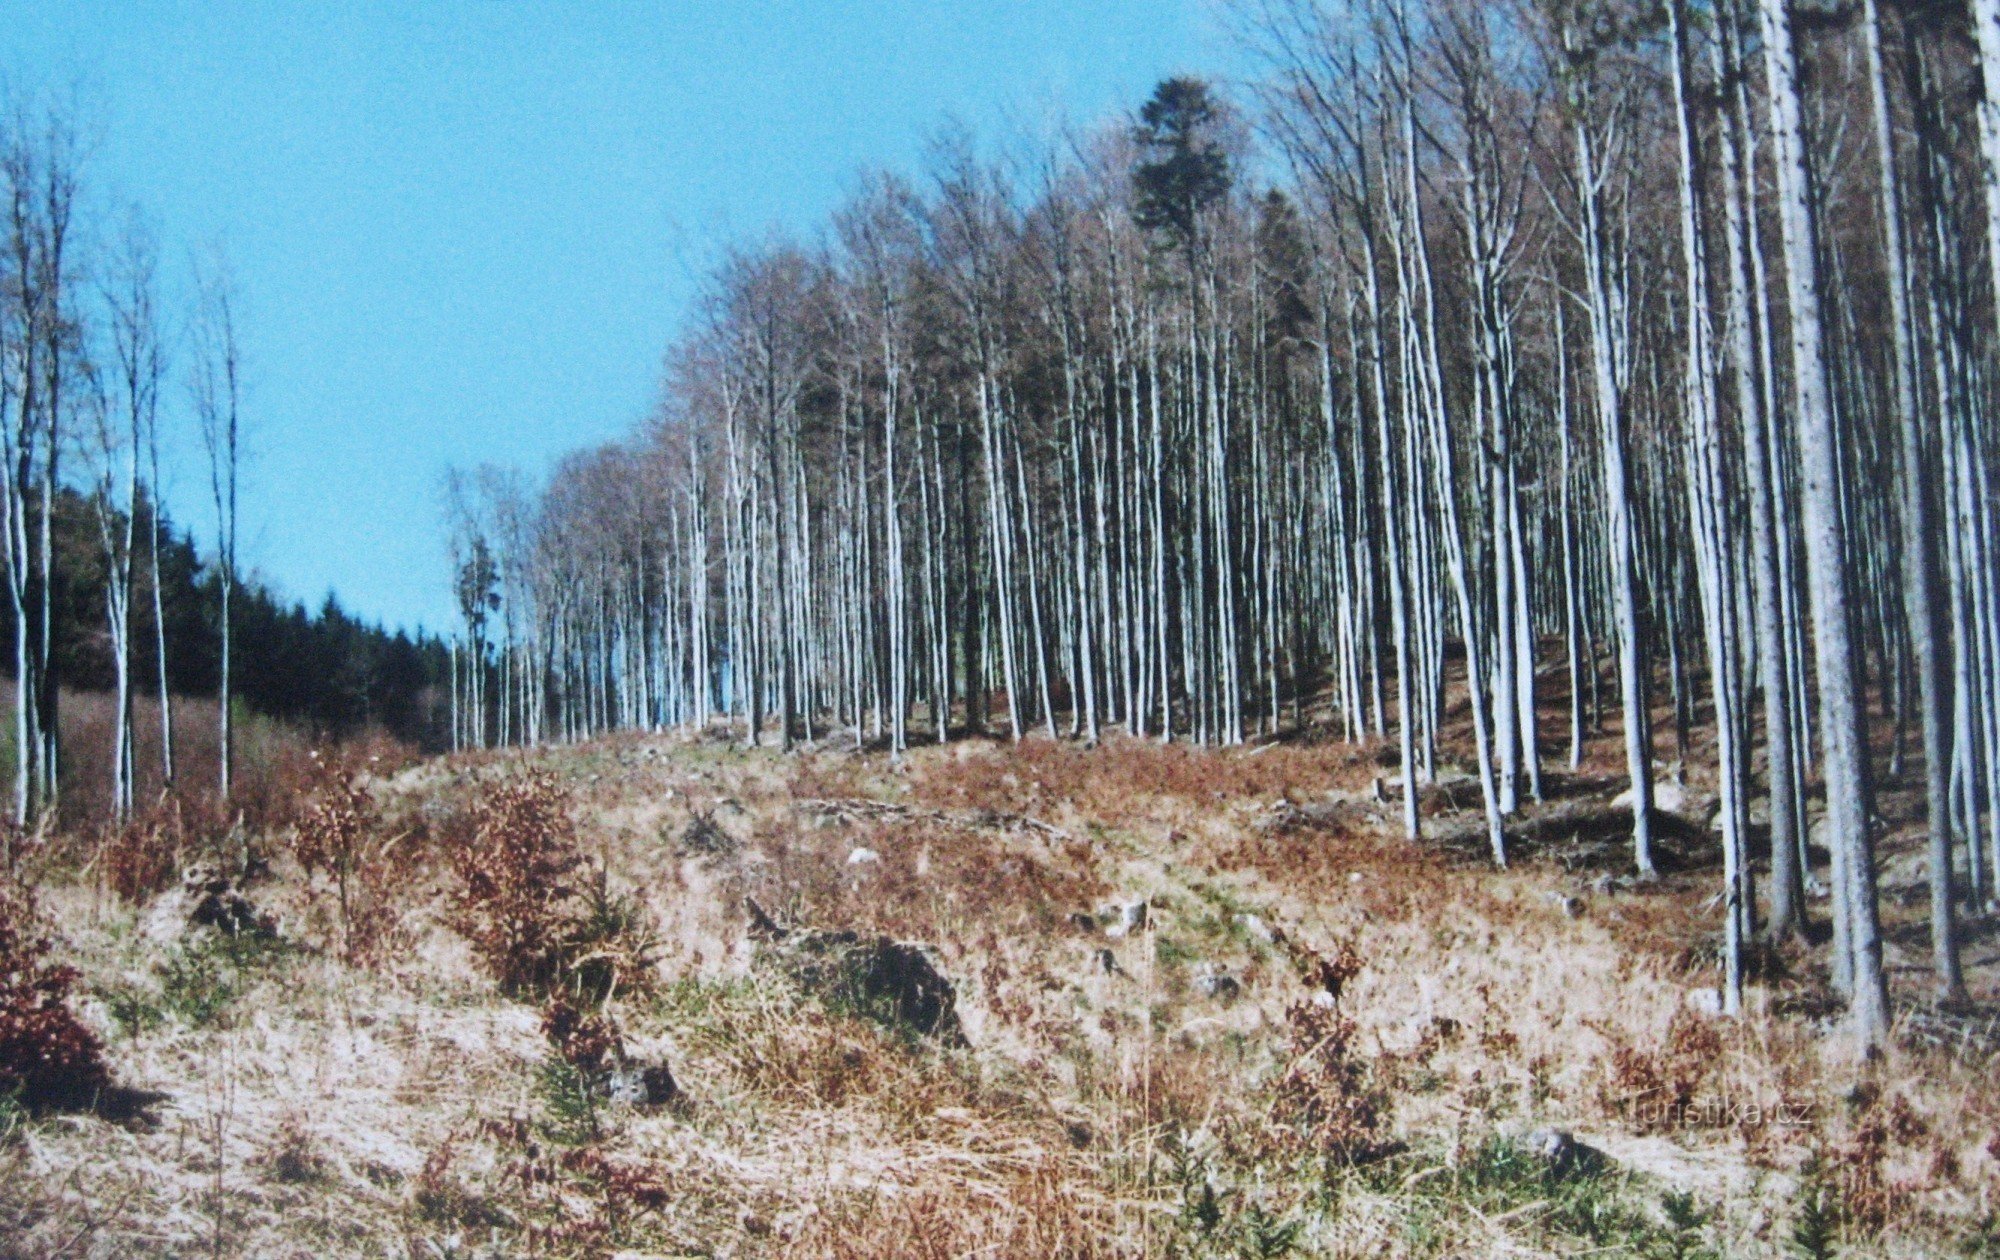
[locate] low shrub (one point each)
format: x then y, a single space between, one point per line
537 919
139 859
48 1059
338 842
204 973
516 903
1327 1096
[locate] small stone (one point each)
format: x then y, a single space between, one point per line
1563 1154
641 1085
1129 918
861 857
1668 797
1219 985
1257 928
1705 1001
1570 906
1554 1147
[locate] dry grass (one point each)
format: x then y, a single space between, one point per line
1322 1040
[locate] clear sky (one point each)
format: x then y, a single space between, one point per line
465 232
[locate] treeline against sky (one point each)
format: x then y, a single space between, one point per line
324 671
1644 347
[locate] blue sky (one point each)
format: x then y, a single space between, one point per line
465 232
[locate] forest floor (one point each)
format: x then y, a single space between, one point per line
1316 1039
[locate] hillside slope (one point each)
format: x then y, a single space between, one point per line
1204 1003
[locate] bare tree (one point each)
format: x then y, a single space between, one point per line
215 389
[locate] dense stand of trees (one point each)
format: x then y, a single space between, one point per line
1647 346
325 669
103 592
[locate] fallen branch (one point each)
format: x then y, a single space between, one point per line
853 807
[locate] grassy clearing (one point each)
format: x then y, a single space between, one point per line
1190 1087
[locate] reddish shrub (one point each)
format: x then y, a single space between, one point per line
533 917
338 836
588 1043
1652 1090
48 1059
1867 1198
1326 1095
516 903
139 859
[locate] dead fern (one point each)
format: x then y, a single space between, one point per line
1327 1097
1655 1090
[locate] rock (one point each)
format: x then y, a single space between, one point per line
1563 1155
861 857
1571 906
1127 919
206 898
1670 796
641 1085
1553 1147
887 980
1256 928
1354 877
1219 985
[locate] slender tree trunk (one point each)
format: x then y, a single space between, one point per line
1843 746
